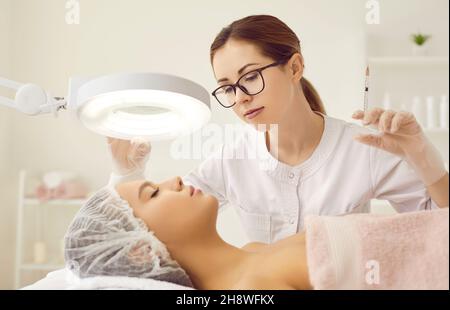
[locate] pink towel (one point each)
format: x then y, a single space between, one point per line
368 251
65 190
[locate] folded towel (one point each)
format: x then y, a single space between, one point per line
65 190
372 251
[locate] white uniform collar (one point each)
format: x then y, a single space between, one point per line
292 174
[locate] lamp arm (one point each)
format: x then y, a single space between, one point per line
7 102
10 85
31 99
54 105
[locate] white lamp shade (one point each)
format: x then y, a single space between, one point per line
149 105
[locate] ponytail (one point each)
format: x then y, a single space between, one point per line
312 96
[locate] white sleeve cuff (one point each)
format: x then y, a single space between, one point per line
115 178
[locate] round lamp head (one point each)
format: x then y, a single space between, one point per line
149 105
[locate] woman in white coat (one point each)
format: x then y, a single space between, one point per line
312 163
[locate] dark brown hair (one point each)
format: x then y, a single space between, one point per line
274 39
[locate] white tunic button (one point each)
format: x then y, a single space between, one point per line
291 221
291 175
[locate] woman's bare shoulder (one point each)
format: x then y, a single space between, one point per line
288 241
280 265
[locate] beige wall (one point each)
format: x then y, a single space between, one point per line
162 36
7 215
400 18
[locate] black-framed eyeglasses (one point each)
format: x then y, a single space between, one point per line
251 83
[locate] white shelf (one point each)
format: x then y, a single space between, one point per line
55 221
32 266
401 61
73 202
436 130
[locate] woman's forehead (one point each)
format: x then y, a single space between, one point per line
233 56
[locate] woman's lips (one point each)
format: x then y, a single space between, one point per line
253 113
194 190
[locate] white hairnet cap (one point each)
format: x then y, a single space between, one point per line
105 238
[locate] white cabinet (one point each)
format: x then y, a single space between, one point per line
401 79
40 230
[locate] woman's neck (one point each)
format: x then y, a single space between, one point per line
211 263
297 135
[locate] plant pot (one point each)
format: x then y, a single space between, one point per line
420 50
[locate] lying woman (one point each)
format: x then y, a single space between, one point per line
167 232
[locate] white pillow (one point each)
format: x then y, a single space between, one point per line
64 279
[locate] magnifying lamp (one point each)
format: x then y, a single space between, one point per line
149 105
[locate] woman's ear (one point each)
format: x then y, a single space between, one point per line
296 66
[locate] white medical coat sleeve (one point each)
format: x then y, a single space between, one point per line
395 181
209 177
115 179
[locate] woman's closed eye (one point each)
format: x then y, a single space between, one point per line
154 193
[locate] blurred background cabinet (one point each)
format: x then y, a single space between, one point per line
403 83
41 226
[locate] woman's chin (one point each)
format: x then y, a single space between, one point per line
212 201
262 125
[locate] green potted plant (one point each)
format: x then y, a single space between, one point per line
420 48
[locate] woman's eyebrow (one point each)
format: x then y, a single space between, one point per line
143 186
239 71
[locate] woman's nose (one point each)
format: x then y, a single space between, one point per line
242 97
174 184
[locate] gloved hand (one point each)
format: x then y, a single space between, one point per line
129 157
402 135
